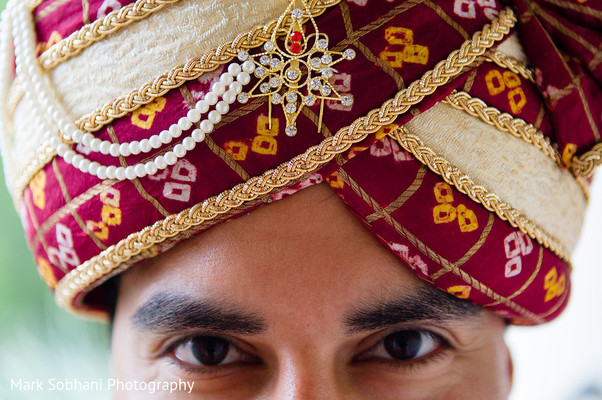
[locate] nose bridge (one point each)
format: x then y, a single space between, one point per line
306 376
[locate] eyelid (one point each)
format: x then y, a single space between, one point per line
168 352
377 339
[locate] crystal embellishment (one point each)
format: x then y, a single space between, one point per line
291 130
295 66
349 54
291 97
276 98
297 13
274 81
290 108
292 74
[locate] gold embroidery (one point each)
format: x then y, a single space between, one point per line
479 194
99 29
116 256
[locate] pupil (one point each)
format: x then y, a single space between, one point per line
403 345
210 350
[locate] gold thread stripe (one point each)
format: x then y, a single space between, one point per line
527 283
173 79
581 8
584 165
508 62
505 122
99 29
50 9
191 70
432 254
447 19
87 273
33 4
472 251
453 176
132 102
74 213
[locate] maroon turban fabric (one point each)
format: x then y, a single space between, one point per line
84 230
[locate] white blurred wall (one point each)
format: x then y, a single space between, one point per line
559 360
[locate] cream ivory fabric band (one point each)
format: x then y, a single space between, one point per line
518 172
114 65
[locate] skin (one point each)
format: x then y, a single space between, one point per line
306 296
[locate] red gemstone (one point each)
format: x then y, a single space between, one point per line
295 48
296 36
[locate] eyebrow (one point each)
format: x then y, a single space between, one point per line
166 313
427 303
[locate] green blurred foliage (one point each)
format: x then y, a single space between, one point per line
37 339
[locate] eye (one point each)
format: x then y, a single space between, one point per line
405 345
208 351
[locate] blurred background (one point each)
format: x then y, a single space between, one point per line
558 361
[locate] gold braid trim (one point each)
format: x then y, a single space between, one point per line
96 269
99 29
509 62
503 121
33 4
191 70
584 165
159 87
453 176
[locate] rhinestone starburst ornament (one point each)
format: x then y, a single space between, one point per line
294 71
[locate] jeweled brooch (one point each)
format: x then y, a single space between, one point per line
294 70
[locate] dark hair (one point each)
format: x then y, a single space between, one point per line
111 289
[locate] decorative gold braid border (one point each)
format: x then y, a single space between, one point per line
503 121
452 175
192 69
33 4
101 265
584 165
173 79
99 29
509 62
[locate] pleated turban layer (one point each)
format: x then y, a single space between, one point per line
467 149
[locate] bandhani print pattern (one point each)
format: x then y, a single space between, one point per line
440 234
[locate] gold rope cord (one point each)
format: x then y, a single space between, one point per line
503 121
191 70
584 165
453 176
99 29
511 63
97 268
173 79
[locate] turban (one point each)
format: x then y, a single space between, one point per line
463 134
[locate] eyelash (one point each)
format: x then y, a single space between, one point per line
206 371
410 365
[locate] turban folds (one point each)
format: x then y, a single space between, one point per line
465 142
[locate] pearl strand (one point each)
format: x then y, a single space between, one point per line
5 78
36 83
